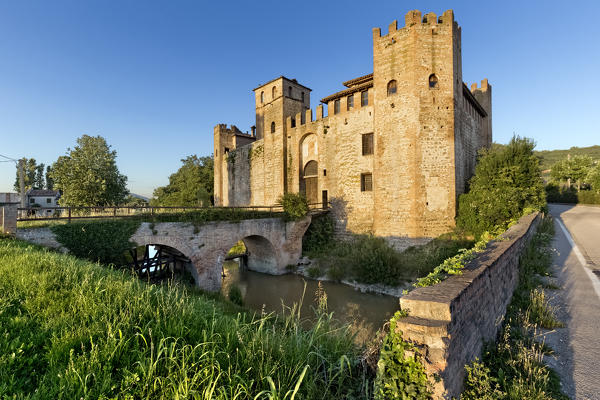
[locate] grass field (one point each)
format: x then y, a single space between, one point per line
73 329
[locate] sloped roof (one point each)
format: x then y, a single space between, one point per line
42 192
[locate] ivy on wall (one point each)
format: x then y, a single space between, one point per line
99 241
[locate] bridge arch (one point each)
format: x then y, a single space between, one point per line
262 254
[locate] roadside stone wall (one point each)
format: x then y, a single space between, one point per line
450 321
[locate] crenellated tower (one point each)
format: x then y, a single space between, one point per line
277 100
417 77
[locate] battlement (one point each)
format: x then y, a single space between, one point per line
304 118
485 86
232 130
414 17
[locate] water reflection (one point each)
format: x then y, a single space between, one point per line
365 312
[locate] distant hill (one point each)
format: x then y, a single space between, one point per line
550 157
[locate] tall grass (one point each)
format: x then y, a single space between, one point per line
72 329
513 367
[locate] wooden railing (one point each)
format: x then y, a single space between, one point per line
72 213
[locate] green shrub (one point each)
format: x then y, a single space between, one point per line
319 234
400 372
295 205
103 241
370 259
506 182
556 194
235 295
314 272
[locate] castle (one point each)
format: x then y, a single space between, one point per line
394 151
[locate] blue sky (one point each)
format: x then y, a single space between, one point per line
154 77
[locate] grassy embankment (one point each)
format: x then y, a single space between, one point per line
71 328
369 259
512 368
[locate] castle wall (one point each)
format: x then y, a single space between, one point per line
426 138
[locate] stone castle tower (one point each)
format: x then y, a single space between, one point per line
395 150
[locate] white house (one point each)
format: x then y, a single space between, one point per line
42 198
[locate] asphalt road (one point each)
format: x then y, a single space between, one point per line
576 266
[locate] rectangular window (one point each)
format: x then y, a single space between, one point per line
336 106
293 122
366 182
48 200
364 98
350 102
324 172
367 144
226 150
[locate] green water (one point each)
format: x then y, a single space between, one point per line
364 311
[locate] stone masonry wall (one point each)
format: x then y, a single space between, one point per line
8 219
450 321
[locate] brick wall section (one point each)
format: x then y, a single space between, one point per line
450 321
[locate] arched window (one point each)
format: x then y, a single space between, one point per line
290 91
311 169
262 96
391 88
433 81
273 127
273 92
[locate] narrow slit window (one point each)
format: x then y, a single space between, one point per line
262 97
302 95
273 127
367 144
336 106
366 182
273 92
433 81
290 92
391 87
293 122
350 102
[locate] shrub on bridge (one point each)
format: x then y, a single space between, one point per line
506 183
103 241
295 205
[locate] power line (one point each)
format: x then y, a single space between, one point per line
8 158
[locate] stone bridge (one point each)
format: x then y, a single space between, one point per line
272 243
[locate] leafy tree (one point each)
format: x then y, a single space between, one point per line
506 182
88 174
573 169
49 180
191 185
593 177
33 175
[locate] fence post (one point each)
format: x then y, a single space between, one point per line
69 214
115 212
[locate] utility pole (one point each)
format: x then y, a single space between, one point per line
22 181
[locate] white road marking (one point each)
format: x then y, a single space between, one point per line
593 278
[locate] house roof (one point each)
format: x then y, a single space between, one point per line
345 92
42 192
359 80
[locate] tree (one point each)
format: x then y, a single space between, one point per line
49 181
33 175
506 182
191 185
573 169
593 177
88 174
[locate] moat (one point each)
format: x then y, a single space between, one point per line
365 312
